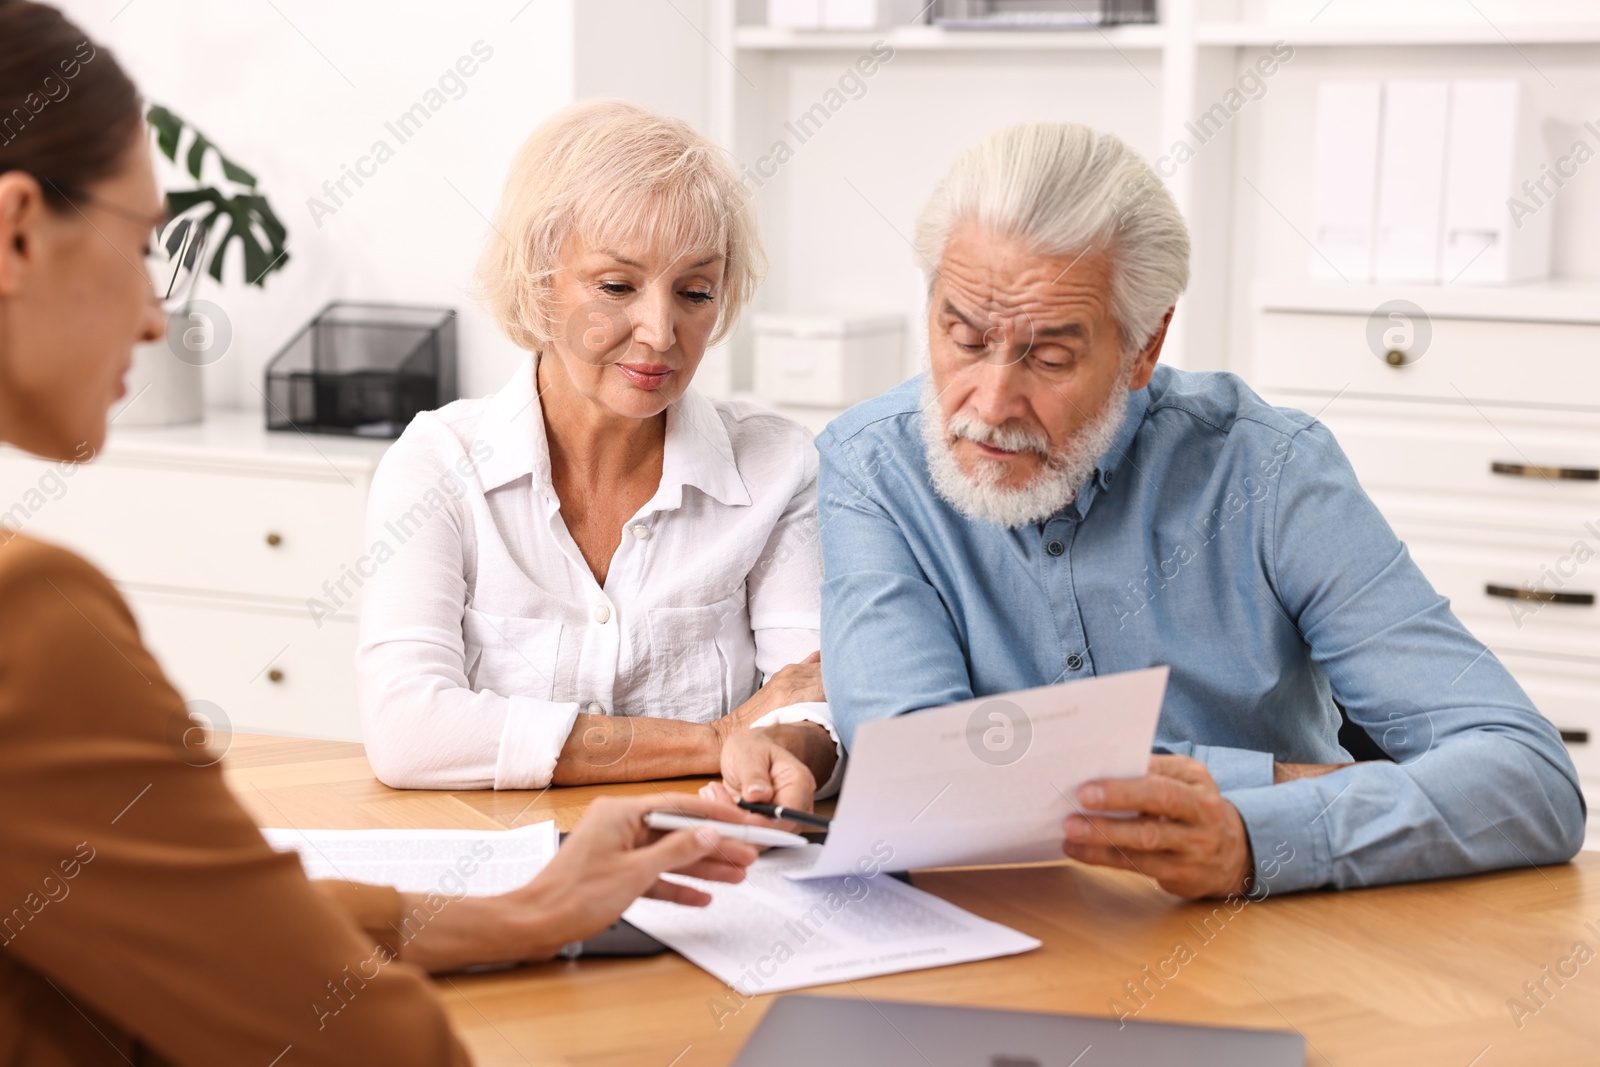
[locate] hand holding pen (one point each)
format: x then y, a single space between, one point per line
778 811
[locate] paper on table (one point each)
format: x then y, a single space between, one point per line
988 780
770 933
479 863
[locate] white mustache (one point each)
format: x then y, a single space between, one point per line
1008 437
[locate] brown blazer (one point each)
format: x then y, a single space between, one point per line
142 917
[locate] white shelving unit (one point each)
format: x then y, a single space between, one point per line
838 214
1558 301
934 38
1397 34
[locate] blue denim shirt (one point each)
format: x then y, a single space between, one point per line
1230 540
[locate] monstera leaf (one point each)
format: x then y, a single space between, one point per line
238 214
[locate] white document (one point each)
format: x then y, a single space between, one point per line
770 933
989 780
476 863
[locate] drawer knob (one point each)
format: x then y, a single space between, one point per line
1539 596
1395 358
1529 470
274 539
1575 737
275 675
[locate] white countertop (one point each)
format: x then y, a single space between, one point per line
237 439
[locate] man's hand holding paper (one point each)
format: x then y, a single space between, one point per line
1182 832
990 780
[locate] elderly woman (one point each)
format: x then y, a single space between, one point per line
609 562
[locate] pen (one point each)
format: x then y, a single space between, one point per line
755 835
778 811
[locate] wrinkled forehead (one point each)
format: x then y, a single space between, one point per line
984 278
994 272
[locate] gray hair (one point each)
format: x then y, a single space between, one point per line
1066 190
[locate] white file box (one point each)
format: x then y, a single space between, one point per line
1494 149
1416 123
1349 120
827 360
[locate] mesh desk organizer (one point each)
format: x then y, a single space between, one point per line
363 370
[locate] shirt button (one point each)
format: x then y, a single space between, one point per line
1055 548
641 531
595 708
601 613
1074 662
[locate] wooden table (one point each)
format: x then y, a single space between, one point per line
1414 974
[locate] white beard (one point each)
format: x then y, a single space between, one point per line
980 496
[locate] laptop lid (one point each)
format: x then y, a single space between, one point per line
802 1031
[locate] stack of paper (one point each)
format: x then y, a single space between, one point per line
772 933
475 863
766 934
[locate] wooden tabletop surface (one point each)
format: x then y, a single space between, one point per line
1414 974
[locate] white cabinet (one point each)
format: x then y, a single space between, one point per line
269 669
1484 455
238 551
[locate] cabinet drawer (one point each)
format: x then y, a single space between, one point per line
1569 696
1536 585
270 670
1521 459
1488 361
178 528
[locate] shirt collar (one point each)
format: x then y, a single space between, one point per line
512 426
698 451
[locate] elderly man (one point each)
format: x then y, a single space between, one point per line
1048 503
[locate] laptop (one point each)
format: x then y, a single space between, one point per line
802 1031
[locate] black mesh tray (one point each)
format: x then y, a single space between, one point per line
363 370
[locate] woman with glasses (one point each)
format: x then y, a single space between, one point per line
143 919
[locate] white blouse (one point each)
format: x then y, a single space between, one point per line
484 633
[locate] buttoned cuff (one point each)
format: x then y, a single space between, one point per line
1236 768
531 742
819 713
1288 836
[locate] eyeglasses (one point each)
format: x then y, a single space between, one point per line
174 261
177 246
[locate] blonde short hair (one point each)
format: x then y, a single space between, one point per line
610 171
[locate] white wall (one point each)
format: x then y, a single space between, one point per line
654 52
839 215
295 90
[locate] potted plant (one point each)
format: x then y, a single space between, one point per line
164 384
